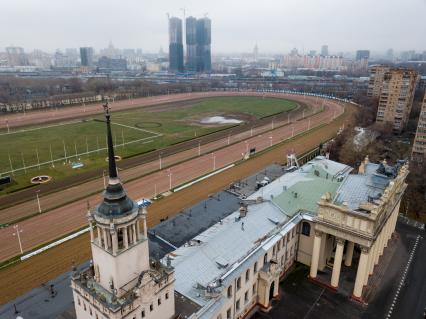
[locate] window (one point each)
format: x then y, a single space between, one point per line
84 306
228 313
237 304
246 296
265 259
306 229
159 301
151 307
90 311
167 295
273 250
229 291
255 268
247 275
78 301
239 283
143 313
254 289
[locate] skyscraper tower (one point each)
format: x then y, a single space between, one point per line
175 45
324 50
191 43
121 281
203 35
86 56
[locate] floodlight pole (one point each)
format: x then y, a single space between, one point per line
270 138
170 179
161 164
214 161
17 231
199 148
51 155
103 178
38 159
38 201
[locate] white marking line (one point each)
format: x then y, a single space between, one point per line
138 129
89 152
43 127
401 282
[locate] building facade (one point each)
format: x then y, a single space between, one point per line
203 52
86 56
394 88
175 45
191 44
121 281
419 145
320 215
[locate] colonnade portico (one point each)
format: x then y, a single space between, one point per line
369 228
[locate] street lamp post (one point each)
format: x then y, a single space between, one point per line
270 138
199 148
161 164
17 233
214 161
170 179
38 201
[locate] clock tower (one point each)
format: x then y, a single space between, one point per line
121 281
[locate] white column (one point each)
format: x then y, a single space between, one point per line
105 238
134 233
377 253
386 229
337 262
145 229
114 243
315 254
361 273
381 243
99 236
91 231
349 253
367 268
125 239
138 229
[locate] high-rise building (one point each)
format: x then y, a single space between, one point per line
203 35
86 56
394 87
121 281
324 50
362 55
419 146
16 56
191 43
175 45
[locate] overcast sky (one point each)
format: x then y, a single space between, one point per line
237 25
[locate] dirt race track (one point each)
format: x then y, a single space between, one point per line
35 271
69 217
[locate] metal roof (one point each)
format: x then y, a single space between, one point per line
221 247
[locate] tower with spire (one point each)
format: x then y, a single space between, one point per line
121 281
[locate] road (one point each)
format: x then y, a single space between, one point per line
38 230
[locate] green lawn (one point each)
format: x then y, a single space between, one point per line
148 129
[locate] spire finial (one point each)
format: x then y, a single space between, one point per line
111 157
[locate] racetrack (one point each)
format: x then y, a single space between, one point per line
35 271
38 229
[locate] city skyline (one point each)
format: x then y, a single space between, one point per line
238 25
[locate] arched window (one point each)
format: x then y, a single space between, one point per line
306 229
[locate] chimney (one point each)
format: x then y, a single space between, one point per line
243 211
361 169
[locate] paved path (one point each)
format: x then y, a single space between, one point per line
38 229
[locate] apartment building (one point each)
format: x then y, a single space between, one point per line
394 88
419 146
